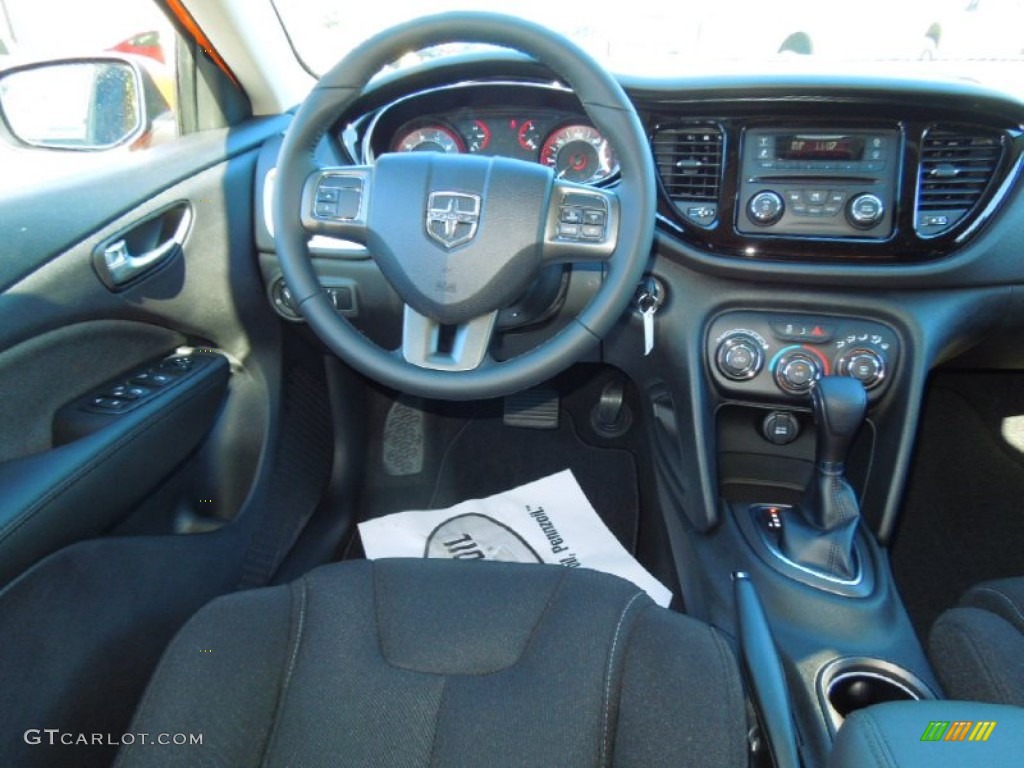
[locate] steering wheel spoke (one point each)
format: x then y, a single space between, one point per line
429 344
582 224
335 201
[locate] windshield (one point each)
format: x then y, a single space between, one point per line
979 40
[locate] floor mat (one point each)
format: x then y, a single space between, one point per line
470 453
487 457
961 521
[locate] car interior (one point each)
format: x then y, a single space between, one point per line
770 321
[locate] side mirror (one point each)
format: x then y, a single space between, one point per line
89 104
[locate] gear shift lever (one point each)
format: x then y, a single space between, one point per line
823 538
839 403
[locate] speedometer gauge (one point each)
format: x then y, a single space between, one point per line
430 138
579 153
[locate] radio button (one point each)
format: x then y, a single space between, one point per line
865 210
765 208
799 210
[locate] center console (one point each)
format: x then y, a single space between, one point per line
799 438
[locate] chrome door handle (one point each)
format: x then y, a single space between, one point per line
122 266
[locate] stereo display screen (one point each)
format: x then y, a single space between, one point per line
797 147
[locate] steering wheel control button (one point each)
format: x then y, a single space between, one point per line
864 365
780 427
796 372
865 210
740 356
338 197
582 216
765 208
327 194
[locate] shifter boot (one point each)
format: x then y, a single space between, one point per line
821 535
828 550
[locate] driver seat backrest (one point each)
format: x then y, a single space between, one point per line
432 662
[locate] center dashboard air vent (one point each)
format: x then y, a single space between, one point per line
689 160
957 166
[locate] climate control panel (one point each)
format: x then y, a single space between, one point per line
769 355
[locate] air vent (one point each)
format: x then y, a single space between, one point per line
957 167
689 159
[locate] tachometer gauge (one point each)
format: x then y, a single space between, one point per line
478 136
579 153
430 138
529 136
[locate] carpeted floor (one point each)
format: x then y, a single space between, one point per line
468 452
963 516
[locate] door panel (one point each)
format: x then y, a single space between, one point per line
96 574
67 327
40 375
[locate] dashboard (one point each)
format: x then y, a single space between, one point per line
805 225
773 170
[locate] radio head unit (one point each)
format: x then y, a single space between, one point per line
818 182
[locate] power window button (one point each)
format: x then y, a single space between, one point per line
127 392
108 403
152 379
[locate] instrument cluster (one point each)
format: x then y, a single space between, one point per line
566 142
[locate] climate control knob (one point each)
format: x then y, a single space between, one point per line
865 210
739 356
864 365
765 208
796 371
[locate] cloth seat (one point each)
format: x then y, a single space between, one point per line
977 648
432 662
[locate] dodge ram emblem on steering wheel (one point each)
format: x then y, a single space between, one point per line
452 217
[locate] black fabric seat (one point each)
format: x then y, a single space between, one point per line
977 648
430 662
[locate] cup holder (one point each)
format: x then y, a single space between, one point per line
849 684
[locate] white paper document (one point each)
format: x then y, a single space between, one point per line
547 521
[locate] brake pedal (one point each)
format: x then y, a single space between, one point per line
535 408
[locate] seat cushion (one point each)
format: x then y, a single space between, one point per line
430 662
977 648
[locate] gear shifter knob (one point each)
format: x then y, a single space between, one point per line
839 403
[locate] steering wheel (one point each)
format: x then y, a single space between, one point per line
458 237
